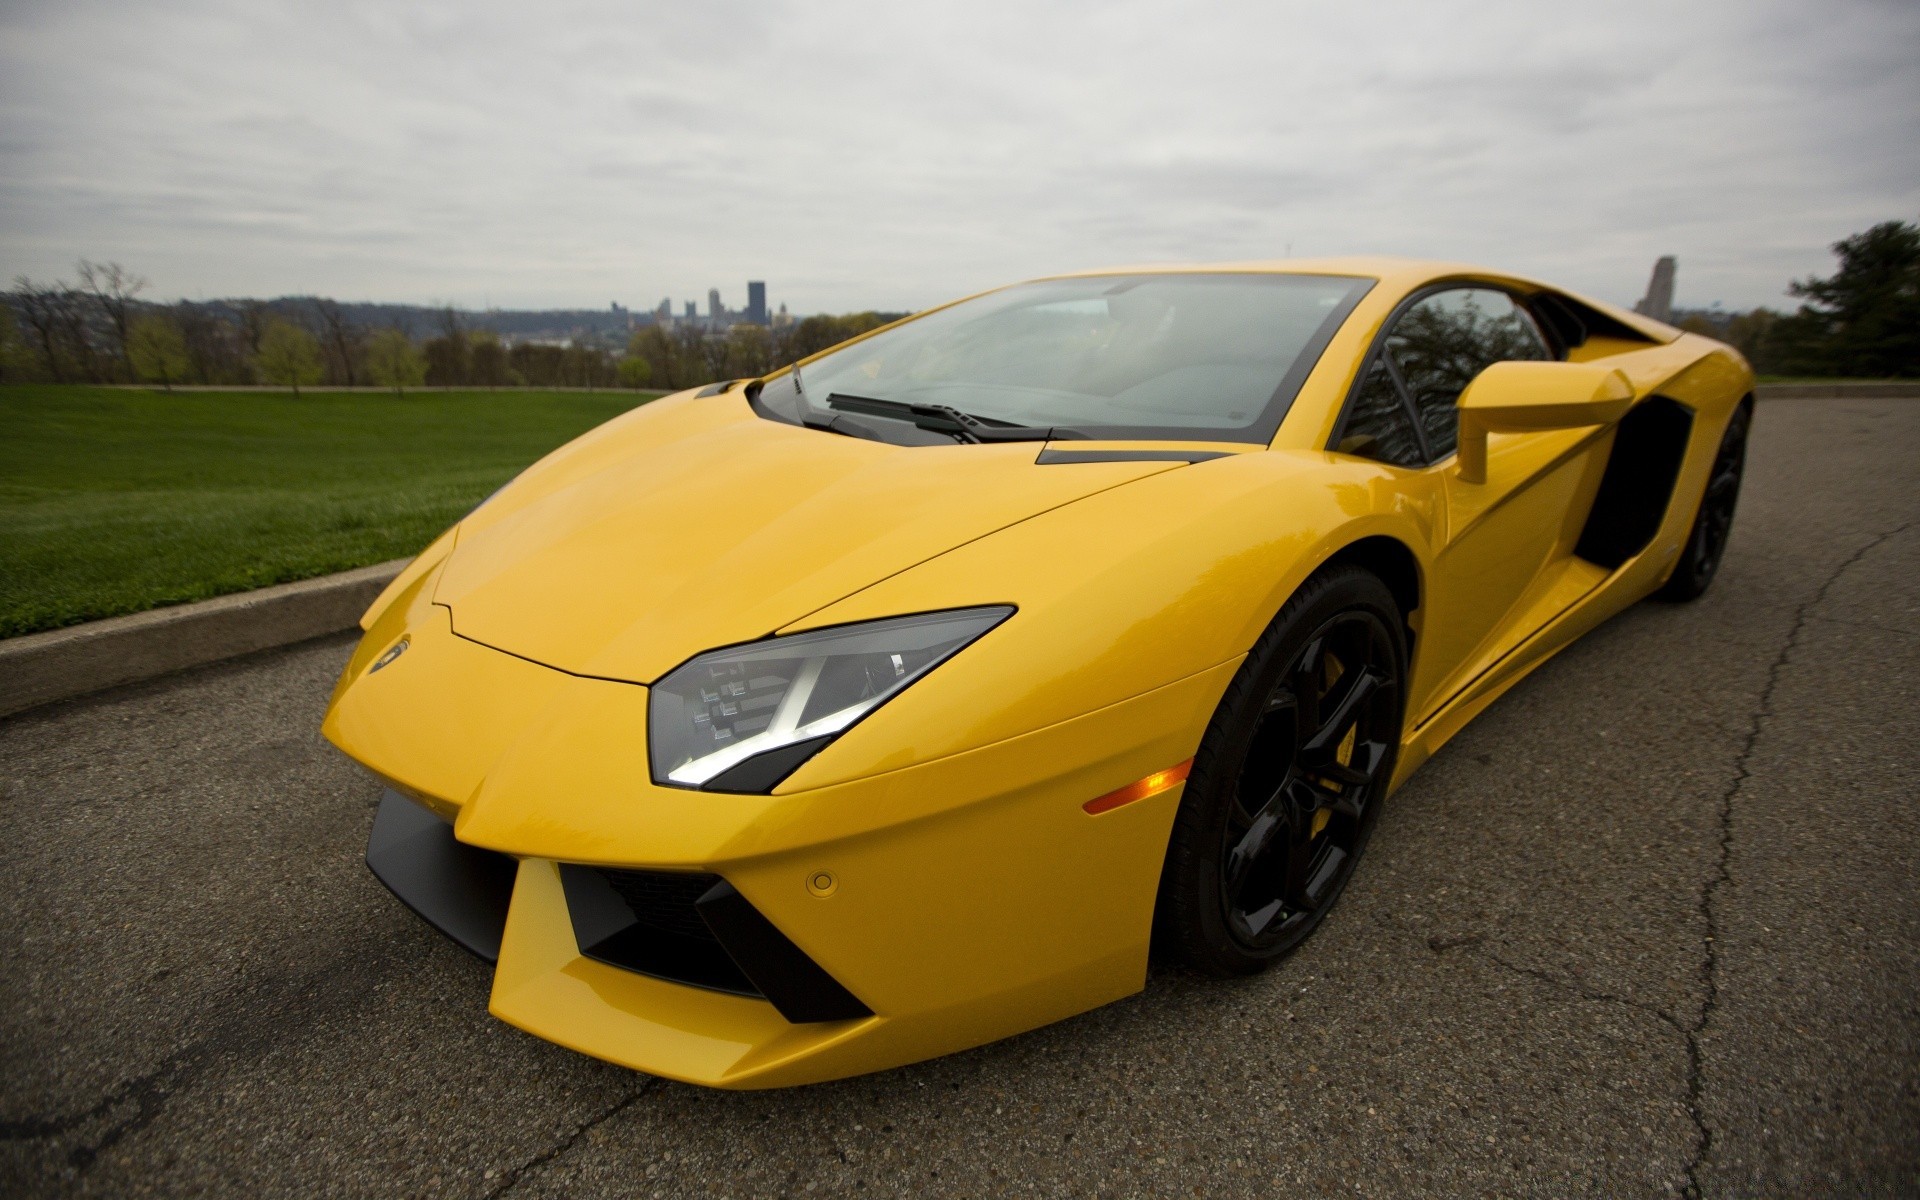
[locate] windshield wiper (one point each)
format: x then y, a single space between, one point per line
813 418
941 418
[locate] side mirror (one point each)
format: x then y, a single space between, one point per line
1513 397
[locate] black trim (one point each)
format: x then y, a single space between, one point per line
1051 457
1560 321
946 419
1376 351
461 890
644 921
1637 488
1261 432
792 982
695 928
764 771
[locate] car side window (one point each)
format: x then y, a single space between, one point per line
1380 425
1443 341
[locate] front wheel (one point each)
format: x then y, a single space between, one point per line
1707 541
1289 779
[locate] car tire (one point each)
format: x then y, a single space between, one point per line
1713 523
1289 779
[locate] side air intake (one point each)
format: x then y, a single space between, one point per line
1636 489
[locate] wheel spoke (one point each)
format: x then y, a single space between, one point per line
1258 920
1304 792
1254 844
1305 683
1314 890
1299 861
1367 757
1350 695
1306 797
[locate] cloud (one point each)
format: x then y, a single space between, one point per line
859 155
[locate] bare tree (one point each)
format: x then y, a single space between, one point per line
37 310
113 288
57 314
215 345
9 343
447 364
255 316
341 340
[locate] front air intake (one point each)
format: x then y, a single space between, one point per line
694 928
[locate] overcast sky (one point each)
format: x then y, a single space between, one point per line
894 155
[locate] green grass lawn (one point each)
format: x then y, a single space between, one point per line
114 501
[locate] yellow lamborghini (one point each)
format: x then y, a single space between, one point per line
907 698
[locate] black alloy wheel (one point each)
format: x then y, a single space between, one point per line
1707 541
1289 779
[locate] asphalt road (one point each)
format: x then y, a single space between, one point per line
1651 924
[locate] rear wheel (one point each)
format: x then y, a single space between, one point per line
1288 781
1707 542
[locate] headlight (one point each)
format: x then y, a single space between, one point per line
742 719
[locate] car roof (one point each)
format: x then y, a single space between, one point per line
1400 275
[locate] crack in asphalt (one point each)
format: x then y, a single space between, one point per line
1580 989
1722 872
148 1093
1867 624
511 1179
252 1026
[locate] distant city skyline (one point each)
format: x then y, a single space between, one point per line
894 157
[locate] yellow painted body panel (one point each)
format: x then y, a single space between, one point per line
975 897
636 557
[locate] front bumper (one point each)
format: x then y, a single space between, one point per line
708 936
953 902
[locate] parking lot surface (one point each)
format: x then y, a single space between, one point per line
1650 926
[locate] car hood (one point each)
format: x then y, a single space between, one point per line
693 523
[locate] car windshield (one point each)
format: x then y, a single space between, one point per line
1205 356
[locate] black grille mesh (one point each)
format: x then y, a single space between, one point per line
664 899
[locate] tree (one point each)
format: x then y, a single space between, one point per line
289 355
585 366
635 372
1751 333
255 316
694 357
216 344
817 333
486 359
538 365
1865 318
652 346
158 350
749 352
447 354
393 362
341 340
56 317
113 288
14 355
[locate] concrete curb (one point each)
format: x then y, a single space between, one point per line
1837 391
60 664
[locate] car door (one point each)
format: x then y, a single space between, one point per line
1504 562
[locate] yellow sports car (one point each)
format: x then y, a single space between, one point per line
907 698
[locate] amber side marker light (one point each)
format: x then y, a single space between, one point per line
1140 789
